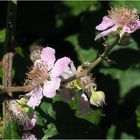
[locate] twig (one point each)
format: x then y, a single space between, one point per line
95 63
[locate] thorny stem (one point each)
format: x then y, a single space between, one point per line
8 57
96 62
7 82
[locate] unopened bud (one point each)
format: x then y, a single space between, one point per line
97 98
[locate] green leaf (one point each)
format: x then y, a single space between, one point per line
83 54
2 35
14 1
77 7
48 109
128 79
1 73
111 132
40 120
11 131
94 116
19 51
138 116
50 131
126 136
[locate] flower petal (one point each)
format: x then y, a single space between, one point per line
128 30
30 125
48 54
36 96
60 66
106 23
28 136
106 32
50 87
69 71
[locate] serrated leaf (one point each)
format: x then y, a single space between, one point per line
50 131
2 35
128 79
48 109
11 131
83 54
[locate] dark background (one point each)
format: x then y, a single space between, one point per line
51 23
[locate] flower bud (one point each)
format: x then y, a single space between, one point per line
97 98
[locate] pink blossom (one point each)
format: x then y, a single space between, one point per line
30 124
45 76
121 20
28 136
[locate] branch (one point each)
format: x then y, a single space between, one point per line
95 63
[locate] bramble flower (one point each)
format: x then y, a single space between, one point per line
44 76
119 19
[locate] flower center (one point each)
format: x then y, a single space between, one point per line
124 16
37 75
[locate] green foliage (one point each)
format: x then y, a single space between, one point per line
11 130
94 116
47 108
77 7
111 132
2 35
14 1
137 111
50 131
128 79
126 136
19 51
83 54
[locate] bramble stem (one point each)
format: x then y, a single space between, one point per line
8 57
94 63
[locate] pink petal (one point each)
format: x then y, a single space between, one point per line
69 71
128 30
36 96
84 97
106 32
28 136
106 23
50 87
60 66
31 124
48 54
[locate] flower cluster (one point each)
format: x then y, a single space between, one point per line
45 75
81 89
119 19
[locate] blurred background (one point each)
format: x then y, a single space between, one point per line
69 27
